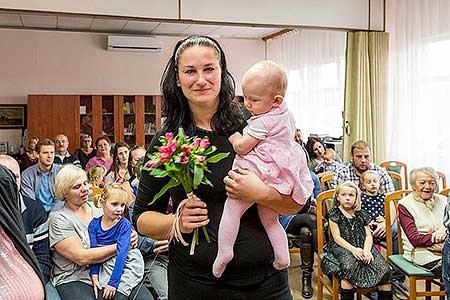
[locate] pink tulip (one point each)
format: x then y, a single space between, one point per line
186 149
169 136
204 143
184 159
196 143
201 159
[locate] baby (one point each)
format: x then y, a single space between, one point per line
329 160
266 147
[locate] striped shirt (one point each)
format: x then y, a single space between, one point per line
18 280
347 173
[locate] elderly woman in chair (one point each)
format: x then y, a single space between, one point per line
421 216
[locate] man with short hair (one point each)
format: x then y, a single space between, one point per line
62 155
361 162
35 224
38 181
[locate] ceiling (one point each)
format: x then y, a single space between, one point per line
63 22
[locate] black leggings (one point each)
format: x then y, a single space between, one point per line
303 225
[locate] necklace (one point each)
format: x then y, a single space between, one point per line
349 218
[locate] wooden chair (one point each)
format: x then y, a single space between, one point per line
398 167
413 272
442 181
324 204
396 179
325 181
324 201
445 192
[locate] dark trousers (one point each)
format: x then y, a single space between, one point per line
77 290
274 287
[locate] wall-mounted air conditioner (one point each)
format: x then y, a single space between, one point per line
134 43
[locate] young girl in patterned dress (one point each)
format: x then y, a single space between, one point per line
372 203
351 246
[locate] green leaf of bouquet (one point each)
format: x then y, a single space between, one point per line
210 150
218 157
172 183
159 172
206 181
198 175
180 131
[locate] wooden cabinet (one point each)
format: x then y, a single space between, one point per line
123 118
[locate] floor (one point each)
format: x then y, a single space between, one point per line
295 279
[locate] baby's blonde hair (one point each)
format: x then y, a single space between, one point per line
357 205
95 172
108 190
330 152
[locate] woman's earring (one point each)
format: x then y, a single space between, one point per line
178 83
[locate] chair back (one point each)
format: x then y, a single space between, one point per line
445 192
396 179
325 181
324 201
398 167
442 181
391 214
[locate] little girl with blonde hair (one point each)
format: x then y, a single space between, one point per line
360 265
118 277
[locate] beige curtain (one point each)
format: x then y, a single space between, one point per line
365 101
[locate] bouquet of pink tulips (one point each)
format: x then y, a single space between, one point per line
185 160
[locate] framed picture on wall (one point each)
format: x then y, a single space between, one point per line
13 116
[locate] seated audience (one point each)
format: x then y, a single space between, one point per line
155 254
18 264
38 181
30 157
304 224
446 251
35 224
103 156
62 155
69 237
357 263
330 164
372 203
421 216
119 169
119 277
136 152
361 162
86 151
96 175
316 151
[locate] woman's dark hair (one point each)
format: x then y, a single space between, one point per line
175 109
115 165
310 146
130 167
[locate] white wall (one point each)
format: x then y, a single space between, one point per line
351 14
40 62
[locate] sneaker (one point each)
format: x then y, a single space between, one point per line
397 293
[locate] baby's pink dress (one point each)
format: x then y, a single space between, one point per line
277 159
281 163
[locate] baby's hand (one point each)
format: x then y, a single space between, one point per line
235 136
